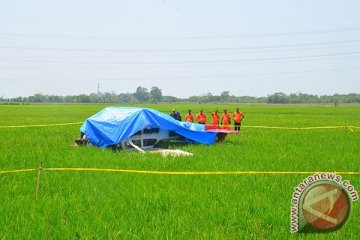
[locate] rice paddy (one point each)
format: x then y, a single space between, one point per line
125 205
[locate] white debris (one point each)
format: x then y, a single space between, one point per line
170 152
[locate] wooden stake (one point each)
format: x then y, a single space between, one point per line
38 179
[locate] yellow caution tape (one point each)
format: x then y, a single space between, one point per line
302 128
191 173
17 170
179 173
42 125
351 128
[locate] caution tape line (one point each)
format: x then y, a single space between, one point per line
17 170
42 125
265 127
304 128
178 173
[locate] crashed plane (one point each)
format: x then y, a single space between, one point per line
143 128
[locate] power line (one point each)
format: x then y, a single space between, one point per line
183 50
187 77
199 37
224 61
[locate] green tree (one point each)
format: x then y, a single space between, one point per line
95 98
82 98
156 94
142 94
170 99
278 98
127 98
225 96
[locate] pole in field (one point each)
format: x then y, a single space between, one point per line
38 179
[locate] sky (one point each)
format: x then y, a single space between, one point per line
184 47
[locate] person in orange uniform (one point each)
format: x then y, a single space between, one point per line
201 117
189 117
225 120
238 117
215 118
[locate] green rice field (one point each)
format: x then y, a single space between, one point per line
121 205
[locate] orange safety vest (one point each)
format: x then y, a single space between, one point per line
201 117
238 116
215 118
189 117
225 118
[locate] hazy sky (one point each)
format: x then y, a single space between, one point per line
185 47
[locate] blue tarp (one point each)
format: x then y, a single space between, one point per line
113 125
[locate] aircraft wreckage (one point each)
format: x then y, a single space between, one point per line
143 128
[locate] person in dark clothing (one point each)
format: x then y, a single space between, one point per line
175 115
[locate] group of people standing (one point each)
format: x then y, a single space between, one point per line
224 120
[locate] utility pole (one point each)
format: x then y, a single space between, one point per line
98 92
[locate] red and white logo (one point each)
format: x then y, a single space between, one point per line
325 206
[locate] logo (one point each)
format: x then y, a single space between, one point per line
321 202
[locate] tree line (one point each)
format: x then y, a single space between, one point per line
154 95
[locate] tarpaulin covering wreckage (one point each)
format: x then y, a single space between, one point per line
124 125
